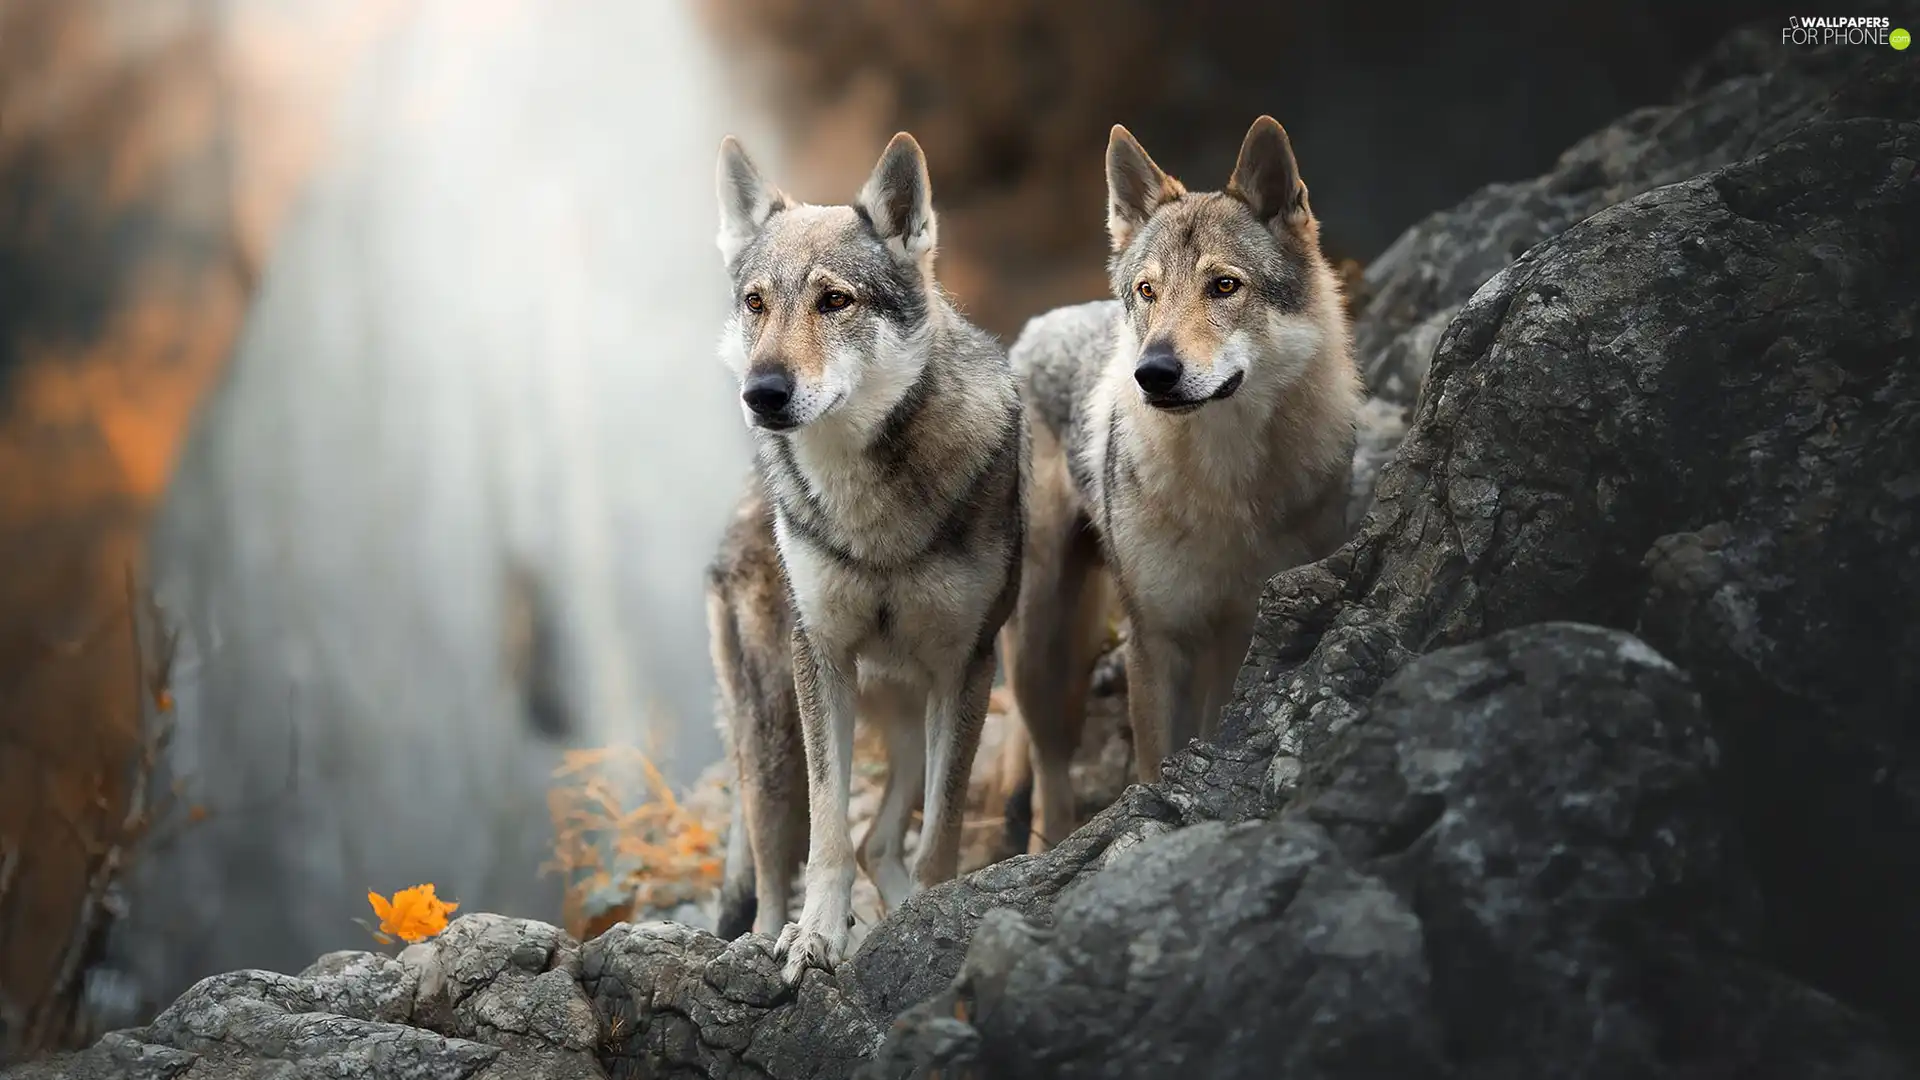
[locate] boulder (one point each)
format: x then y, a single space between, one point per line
491 998
1748 94
1693 414
1515 864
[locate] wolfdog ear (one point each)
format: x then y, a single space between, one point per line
746 199
1136 187
898 199
1267 178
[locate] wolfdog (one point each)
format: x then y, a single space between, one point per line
1190 438
891 454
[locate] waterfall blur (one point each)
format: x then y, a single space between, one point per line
448 513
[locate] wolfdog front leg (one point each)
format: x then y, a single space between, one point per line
954 720
826 687
1162 704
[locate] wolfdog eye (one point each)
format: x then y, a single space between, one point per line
1225 286
1146 291
834 300
754 302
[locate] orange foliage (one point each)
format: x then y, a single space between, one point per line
619 849
412 915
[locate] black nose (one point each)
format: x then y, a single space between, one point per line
767 391
1158 370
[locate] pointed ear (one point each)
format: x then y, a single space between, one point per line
898 199
746 200
1136 187
1267 178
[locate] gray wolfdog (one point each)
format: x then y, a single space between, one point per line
1190 439
890 458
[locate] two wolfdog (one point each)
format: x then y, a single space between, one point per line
918 492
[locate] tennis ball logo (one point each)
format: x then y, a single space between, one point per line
1899 39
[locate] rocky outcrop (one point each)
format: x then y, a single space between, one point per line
1595 752
1514 865
1693 413
1745 97
491 998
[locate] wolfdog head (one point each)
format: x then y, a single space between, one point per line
831 303
1224 291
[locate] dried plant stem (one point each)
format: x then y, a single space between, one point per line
107 842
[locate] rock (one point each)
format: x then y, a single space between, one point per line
1693 413
1333 957
1382 425
681 1002
1528 821
488 999
1670 362
1745 96
1515 865
1748 94
512 983
114 1057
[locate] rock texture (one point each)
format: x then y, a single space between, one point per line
491 998
1693 413
1746 96
1595 753
1515 865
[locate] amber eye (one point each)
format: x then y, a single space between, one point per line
1146 291
1225 286
834 300
754 303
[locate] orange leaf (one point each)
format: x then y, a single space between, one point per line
414 914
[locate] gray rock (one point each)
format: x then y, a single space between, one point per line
506 982
679 1002
1154 966
488 999
1382 424
1727 363
1516 865
1746 96
115 1057
917 951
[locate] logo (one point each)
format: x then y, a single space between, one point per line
1842 30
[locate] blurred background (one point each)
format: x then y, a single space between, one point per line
361 439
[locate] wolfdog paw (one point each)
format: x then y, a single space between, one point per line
803 948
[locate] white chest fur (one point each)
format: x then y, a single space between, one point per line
1199 509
